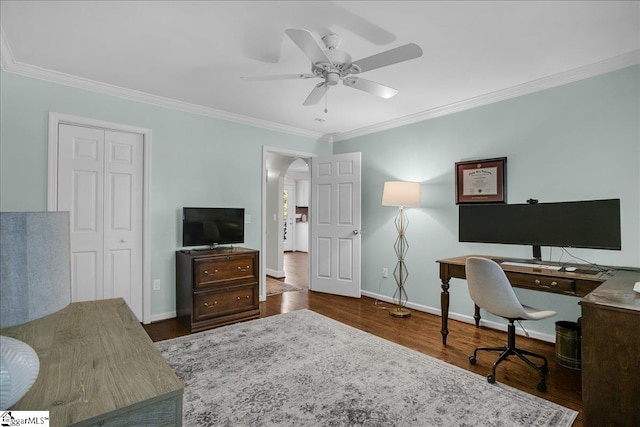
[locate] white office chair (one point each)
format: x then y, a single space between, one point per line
490 289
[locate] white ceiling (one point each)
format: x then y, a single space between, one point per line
191 55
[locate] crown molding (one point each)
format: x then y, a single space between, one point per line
9 64
612 64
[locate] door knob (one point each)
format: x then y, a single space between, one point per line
355 232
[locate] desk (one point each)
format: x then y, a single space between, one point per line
537 279
610 341
98 367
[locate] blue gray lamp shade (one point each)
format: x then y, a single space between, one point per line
35 277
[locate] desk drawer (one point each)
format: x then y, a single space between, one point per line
224 270
223 301
546 283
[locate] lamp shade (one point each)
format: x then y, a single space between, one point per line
35 265
401 193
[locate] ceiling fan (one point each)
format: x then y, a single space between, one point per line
333 65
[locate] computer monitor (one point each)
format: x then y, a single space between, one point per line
591 224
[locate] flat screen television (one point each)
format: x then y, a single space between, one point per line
212 226
591 224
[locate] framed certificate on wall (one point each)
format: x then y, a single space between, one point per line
481 181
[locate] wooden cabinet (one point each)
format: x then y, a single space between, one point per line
302 237
610 357
302 193
216 287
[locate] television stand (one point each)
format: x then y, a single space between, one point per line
217 287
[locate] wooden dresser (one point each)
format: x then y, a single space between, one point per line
98 367
216 287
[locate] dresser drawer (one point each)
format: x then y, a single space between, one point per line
548 283
222 301
224 270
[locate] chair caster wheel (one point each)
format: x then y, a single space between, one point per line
472 360
490 379
542 387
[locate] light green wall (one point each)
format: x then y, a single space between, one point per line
575 142
196 161
578 141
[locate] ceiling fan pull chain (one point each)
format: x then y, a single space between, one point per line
326 101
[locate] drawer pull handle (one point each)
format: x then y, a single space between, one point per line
210 274
243 269
206 304
238 298
549 286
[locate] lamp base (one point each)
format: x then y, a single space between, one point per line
399 312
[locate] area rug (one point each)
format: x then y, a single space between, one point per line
275 287
304 369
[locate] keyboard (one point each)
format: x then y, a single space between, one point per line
529 265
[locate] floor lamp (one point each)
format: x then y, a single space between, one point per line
401 194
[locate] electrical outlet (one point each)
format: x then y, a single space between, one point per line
385 272
156 285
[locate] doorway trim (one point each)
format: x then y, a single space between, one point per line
286 153
55 119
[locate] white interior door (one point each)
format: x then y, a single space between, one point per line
335 224
123 218
100 176
81 192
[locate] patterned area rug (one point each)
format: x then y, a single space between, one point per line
304 369
275 287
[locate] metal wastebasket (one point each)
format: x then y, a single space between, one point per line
568 341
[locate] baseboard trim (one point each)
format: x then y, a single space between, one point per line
163 316
464 318
275 273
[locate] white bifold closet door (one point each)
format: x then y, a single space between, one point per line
100 177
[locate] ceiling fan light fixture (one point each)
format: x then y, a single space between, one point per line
332 78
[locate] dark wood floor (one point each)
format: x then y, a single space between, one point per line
420 332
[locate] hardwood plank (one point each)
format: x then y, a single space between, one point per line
420 332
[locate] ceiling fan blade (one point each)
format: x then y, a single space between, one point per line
279 77
305 41
316 94
389 57
374 88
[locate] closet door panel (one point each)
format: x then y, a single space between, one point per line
80 191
